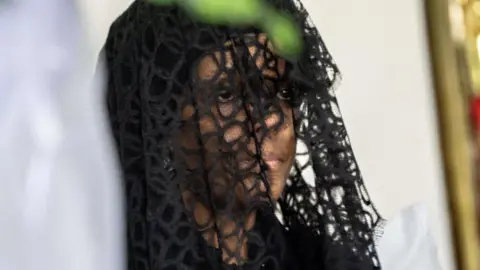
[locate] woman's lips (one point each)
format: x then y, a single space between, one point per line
273 162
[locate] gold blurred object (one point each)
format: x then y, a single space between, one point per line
472 23
453 28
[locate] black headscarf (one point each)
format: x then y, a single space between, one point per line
197 183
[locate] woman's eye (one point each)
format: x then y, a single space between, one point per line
284 94
225 96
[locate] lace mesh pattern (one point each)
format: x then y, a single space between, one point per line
233 157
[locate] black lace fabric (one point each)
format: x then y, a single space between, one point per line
233 157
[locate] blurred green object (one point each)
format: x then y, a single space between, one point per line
224 11
280 28
283 32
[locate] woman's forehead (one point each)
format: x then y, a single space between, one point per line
258 46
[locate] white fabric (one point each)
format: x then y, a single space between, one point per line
407 243
60 199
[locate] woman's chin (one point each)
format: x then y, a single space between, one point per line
276 186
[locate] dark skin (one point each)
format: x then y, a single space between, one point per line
277 148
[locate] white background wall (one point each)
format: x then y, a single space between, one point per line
387 101
386 98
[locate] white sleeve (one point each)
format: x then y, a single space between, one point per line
60 200
407 242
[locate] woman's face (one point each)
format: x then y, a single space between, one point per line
231 114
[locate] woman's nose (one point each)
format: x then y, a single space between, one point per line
266 123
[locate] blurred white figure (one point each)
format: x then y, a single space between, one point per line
407 242
60 195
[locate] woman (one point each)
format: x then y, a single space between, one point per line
233 156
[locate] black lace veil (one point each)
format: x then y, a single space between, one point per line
233 157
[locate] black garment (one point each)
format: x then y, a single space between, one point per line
172 132
266 223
